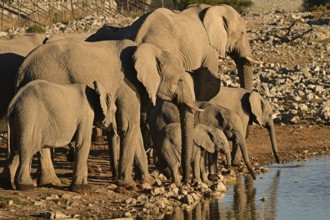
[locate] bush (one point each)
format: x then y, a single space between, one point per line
35 29
237 4
313 4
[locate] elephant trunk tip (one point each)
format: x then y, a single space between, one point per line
277 157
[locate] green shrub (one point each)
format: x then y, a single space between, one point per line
35 29
237 4
314 4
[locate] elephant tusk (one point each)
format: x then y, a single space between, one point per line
251 60
193 107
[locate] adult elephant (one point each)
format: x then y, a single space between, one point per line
12 54
198 35
131 74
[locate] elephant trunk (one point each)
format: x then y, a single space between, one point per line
187 125
242 145
228 158
245 74
272 136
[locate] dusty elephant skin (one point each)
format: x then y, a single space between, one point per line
111 63
212 115
206 139
45 114
12 54
250 107
211 32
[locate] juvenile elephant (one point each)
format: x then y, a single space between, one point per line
212 115
46 114
198 36
205 139
133 74
229 121
251 107
12 54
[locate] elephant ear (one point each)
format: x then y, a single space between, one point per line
203 138
103 97
216 28
146 58
256 104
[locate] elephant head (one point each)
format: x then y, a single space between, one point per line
262 114
227 34
212 140
105 107
163 76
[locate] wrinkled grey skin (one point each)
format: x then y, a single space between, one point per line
45 114
229 121
206 139
130 73
251 107
198 35
12 54
212 115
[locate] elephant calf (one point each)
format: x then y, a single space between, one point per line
205 139
47 114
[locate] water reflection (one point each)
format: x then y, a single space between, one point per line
287 192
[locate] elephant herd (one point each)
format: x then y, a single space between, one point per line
161 72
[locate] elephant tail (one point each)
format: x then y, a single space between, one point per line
8 136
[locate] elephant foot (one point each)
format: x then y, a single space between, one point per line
25 187
127 182
148 179
236 163
213 177
178 184
43 181
79 187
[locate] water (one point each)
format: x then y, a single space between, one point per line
287 192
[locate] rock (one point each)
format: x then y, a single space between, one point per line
188 199
219 187
10 202
158 191
264 199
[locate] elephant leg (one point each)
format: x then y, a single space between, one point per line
142 161
196 167
213 166
82 148
175 174
236 155
9 171
23 180
203 168
97 135
47 174
114 152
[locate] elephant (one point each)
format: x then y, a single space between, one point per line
228 120
44 114
198 36
251 107
205 139
135 75
12 54
211 115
